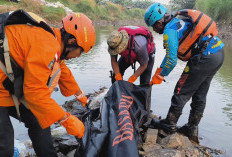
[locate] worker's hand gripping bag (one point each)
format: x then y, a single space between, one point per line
120 129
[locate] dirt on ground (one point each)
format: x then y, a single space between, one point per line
225 30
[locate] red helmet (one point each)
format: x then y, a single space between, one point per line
81 27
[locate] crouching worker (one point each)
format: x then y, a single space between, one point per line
192 37
133 43
32 64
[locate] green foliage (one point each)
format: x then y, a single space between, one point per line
94 9
5 2
85 7
136 13
102 13
113 10
53 14
65 2
217 9
182 4
108 11
98 1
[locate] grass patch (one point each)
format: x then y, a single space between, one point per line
53 14
65 2
217 9
27 5
6 2
113 10
136 13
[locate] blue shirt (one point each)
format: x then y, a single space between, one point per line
173 32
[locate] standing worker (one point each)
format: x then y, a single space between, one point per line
192 37
133 43
36 53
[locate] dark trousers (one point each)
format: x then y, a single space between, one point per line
41 139
195 82
146 75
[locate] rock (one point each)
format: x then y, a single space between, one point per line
151 136
65 144
165 153
60 155
150 147
71 154
59 131
96 102
174 145
176 141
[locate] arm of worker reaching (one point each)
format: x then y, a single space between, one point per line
142 57
69 86
37 94
115 67
137 73
170 60
67 83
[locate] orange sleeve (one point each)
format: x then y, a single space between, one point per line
36 74
67 82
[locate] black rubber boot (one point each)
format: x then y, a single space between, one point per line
168 125
191 128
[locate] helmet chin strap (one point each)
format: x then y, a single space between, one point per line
65 37
167 18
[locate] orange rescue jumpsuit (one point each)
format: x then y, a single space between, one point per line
34 49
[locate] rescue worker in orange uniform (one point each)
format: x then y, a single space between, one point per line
190 36
41 56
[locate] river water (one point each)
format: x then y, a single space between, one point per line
91 71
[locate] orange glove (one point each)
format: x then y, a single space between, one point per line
82 98
118 76
157 78
132 79
73 125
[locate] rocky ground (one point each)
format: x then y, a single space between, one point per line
175 145
225 30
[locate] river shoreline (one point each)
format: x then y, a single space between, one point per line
224 28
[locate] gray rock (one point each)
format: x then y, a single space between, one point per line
71 154
65 143
165 153
176 141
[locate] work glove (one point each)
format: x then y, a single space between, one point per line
132 79
118 77
82 98
73 125
157 78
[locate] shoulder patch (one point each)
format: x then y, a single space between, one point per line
186 69
165 37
